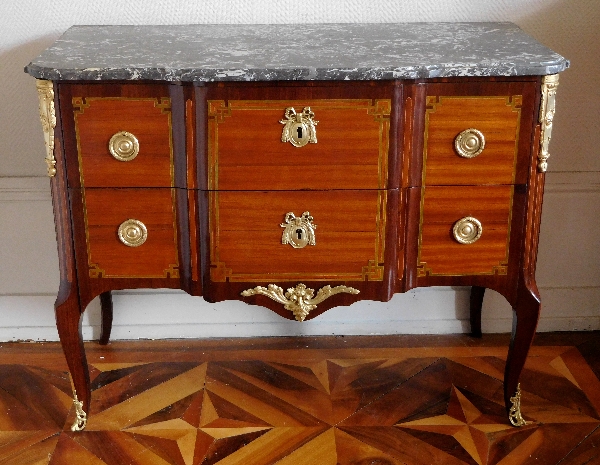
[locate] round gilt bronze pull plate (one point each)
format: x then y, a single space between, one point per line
132 233
469 143
124 146
467 230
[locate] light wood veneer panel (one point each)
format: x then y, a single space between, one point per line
97 119
498 118
441 254
246 235
246 151
106 209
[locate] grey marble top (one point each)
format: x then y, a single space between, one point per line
263 52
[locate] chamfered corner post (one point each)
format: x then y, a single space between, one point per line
67 306
526 311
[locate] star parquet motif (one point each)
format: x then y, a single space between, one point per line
359 406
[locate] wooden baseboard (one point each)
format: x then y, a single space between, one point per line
167 315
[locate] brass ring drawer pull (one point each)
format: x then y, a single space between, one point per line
299 230
469 143
467 230
124 146
132 233
299 128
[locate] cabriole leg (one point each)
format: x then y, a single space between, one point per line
68 322
106 305
476 302
525 319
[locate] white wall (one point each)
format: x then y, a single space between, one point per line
568 272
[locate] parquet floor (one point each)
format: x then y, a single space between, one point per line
292 401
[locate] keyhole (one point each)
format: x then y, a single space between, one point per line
299 130
299 233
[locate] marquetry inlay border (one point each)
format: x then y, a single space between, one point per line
433 102
220 110
82 103
373 270
423 269
94 269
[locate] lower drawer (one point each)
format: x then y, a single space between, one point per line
131 233
258 236
464 230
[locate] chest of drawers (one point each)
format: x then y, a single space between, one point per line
364 162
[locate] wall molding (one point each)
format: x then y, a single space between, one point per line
572 181
142 315
27 296
24 189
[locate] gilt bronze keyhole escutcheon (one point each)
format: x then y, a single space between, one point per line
299 128
299 230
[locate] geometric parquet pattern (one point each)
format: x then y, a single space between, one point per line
295 401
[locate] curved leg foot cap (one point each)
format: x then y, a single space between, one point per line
514 415
80 415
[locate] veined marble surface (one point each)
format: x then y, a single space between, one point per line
263 52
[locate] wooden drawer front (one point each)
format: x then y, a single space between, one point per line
246 236
441 254
108 257
496 118
97 120
246 151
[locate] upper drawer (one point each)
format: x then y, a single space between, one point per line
471 140
298 144
478 133
124 142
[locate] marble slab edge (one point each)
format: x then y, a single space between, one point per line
295 74
205 53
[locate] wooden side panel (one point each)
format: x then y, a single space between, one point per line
246 151
442 207
68 290
106 209
246 236
497 118
149 120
